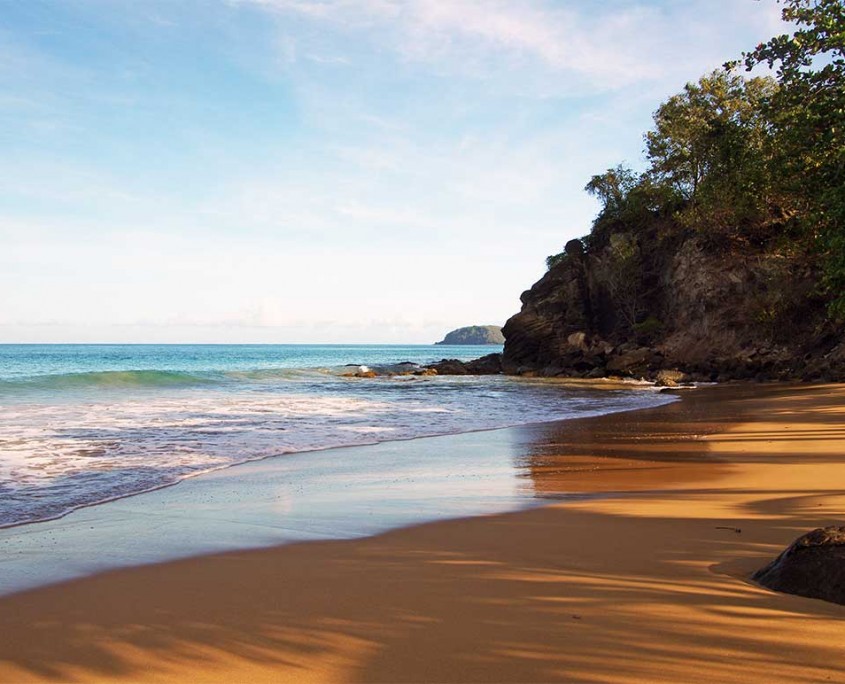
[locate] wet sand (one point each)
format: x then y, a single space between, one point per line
649 584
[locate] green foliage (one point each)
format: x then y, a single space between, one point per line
807 114
744 162
710 144
573 249
712 128
612 188
475 334
629 202
834 276
555 259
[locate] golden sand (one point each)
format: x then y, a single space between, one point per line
648 585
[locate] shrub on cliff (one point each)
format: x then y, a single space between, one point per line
742 163
807 116
726 255
710 146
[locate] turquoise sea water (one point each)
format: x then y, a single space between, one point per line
82 424
29 362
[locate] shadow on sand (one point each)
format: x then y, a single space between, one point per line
554 593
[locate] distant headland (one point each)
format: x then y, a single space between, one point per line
475 334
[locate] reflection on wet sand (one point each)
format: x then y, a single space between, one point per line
651 586
642 450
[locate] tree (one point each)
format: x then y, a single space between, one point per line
612 187
808 118
628 199
712 128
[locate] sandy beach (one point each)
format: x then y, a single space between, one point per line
647 584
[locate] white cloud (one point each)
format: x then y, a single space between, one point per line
433 154
600 45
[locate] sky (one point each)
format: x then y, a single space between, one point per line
326 171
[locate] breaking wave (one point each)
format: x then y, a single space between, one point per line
73 439
107 379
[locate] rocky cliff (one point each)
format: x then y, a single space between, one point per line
644 306
474 334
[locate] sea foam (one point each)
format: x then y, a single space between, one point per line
75 439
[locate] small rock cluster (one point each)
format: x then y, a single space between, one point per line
486 365
583 356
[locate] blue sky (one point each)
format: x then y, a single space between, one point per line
327 171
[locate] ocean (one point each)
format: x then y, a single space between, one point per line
85 424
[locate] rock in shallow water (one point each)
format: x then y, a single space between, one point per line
813 566
486 365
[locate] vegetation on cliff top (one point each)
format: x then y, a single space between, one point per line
741 164
475 334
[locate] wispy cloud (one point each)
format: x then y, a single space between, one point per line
318 169
602 45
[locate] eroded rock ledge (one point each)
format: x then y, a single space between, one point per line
704 314
486 365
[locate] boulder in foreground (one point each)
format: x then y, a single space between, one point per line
813 566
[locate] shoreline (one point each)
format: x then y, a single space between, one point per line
600 384
294 450
599 589
476 472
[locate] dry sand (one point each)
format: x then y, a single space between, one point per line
647 585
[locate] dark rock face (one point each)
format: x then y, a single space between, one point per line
475 334
630 361
556 307
813 566
486 365
702 314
